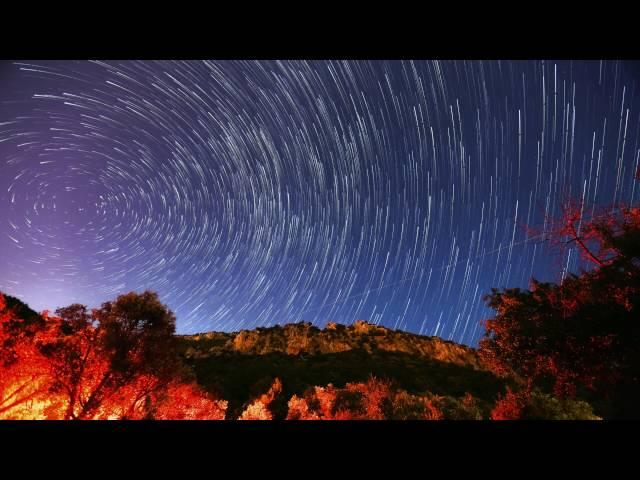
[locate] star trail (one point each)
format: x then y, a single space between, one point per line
254 193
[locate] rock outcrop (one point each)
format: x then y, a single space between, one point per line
304 338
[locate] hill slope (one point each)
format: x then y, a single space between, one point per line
240 366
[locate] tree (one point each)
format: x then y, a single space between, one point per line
118 361
125 344
138 335
580 337
24 379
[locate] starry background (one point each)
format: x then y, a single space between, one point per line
251 193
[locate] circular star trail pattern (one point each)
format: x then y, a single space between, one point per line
251 193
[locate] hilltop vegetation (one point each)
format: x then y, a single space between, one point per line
238 366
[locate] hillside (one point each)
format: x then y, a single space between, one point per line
242 365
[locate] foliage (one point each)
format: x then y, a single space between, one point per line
260 409
461 408
535 405
24 379
187 401
581 337
119 361
378 399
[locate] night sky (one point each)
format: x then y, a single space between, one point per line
254 193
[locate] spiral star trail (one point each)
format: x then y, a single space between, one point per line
251 193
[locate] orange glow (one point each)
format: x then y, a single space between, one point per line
50 374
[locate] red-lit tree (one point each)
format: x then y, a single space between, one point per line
24 375
119 361
581 336
127 344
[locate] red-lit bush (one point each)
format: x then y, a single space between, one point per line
260 409
373 400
